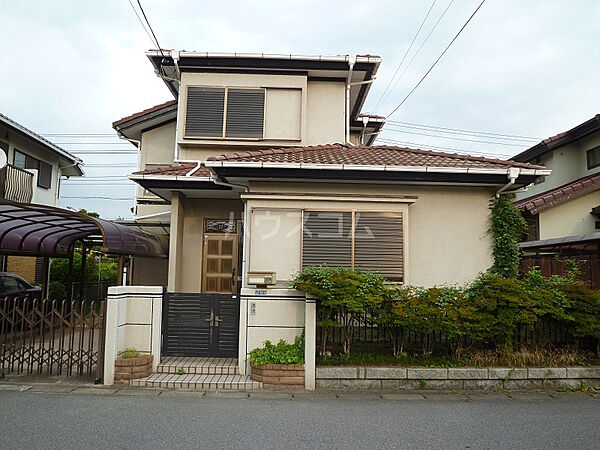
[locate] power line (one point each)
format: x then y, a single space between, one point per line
93 143
404 57
80 134
455 138
141 22
458 133
437 60
101 198
151 30
436 147
421 46
465 131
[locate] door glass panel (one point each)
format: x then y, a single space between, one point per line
227 248
212 247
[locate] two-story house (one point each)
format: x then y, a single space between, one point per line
563 209
263 164
566 203
32 174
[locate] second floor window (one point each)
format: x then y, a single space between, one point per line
225 112
593 158
23 161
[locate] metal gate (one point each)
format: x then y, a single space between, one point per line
200 325
51 337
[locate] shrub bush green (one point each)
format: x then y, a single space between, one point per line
491 309
342 292
280 353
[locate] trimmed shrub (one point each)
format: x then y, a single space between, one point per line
281 353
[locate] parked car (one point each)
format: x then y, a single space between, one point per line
12 285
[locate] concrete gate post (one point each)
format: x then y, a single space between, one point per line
133 318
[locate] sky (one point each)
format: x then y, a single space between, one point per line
520 68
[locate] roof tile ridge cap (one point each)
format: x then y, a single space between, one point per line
466 157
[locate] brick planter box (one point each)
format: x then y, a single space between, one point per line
279 376
127 369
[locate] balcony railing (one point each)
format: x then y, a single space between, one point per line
16 184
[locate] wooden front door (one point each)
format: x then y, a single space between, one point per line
220 256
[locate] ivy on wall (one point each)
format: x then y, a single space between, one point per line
507 227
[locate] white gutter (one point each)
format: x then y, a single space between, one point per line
513 174
351 62
379 168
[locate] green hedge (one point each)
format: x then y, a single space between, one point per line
490 309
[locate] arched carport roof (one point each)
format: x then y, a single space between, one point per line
39 230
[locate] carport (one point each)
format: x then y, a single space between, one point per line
48 232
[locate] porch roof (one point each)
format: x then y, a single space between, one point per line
39 230
580 242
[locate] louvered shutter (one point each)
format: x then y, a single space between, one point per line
378 243
204 113
45 175
326 239
245 113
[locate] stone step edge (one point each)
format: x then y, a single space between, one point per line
242 386
194 370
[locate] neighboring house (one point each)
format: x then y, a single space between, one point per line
32 175
563 209
255 169
567 202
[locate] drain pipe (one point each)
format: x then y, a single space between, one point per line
351 62
513 174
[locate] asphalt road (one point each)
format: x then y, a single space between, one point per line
139 419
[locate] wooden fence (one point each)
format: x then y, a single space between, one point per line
589 265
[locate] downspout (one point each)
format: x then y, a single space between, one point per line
351 62
175 57
513 174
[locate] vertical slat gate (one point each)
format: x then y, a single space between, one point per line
200 325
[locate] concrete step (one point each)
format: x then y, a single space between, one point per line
198 366
195 381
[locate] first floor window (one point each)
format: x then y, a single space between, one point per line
369 240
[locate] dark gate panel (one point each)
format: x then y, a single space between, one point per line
200 325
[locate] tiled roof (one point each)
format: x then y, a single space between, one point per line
144 112
553 197
40 140
370 156
179 170
566 137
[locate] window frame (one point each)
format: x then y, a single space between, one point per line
15 151
225 103
588 159
401 214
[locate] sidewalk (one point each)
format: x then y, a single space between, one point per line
62 385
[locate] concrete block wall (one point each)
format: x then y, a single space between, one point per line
133 320
392 378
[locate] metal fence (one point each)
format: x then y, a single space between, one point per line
51 337
369 335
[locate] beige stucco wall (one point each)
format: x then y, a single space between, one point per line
325 117
569 218
150 271
189 271
298 112
446 227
